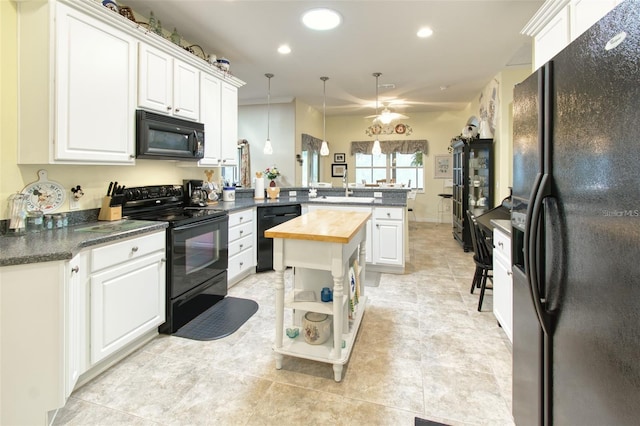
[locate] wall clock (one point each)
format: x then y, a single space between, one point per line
44 195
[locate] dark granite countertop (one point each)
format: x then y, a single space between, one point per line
502 225
64 243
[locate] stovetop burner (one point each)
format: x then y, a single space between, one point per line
164 203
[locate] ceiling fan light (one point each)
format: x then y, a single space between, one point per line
321 19
386 117
324 149
376 150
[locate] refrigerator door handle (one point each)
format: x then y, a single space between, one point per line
543 191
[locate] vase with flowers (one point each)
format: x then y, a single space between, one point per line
272 174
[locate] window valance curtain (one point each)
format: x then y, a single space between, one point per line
387 147
309 143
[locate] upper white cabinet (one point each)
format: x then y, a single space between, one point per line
77 107
83 72
229 118
168 85
558 22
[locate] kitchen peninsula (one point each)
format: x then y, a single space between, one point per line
332 245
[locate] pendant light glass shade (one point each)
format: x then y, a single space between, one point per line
324 148
268 148
376 150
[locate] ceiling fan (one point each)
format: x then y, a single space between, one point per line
386 116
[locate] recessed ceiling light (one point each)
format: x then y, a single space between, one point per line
424 32
321 19
284 49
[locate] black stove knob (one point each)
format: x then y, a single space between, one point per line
128 194
162 191
145 193
136 194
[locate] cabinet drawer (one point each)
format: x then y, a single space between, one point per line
240 245
240 218
119 252
240 263
502 244
240 231
388 213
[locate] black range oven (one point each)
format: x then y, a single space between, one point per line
197 250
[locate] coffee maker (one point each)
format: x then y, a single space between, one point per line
195 195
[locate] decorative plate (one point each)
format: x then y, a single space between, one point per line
400 129
44 195
376 129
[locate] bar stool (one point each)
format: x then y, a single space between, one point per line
445 199
483 259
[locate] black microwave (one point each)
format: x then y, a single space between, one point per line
168 138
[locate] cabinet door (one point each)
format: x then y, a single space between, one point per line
127 301
155 80
387 246
229 129
186 91
210 116
552 38
502 294
95 69
75 320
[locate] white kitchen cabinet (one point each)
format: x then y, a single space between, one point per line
167 85
558 22
502 282
76 323
229 123
76 88
385 235
219 113
242 245
127 292
388 236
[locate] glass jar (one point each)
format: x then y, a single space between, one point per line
35 221
48 221
57 221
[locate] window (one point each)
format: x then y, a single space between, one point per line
399 167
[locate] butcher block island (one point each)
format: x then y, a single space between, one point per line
327 251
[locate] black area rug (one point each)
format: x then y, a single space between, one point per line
220 320
423 422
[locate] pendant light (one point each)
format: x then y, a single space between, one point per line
268 149
376 150
324 149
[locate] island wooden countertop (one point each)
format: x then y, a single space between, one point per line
321 225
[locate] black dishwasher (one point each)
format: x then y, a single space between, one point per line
268 217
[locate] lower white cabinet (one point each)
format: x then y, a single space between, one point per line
127 292
502 282
385 235
388 236
242 245
75 319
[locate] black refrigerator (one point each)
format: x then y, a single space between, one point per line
576 231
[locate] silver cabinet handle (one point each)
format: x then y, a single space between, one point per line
168 107
75 269
241 263
241 232
177 109
500 244
134 249
241 245
388 214
163 260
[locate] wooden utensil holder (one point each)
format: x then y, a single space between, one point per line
108 212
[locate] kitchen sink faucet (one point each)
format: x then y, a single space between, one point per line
345 182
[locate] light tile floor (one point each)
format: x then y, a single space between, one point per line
423 350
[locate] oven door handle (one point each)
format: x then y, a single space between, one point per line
200 223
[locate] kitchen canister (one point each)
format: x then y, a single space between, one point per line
316 328
228 193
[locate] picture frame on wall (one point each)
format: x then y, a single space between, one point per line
339 157
442 167
338 170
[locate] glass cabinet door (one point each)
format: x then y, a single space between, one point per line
479 184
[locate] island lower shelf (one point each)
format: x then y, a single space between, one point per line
298 347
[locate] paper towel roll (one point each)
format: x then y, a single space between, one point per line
259 189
